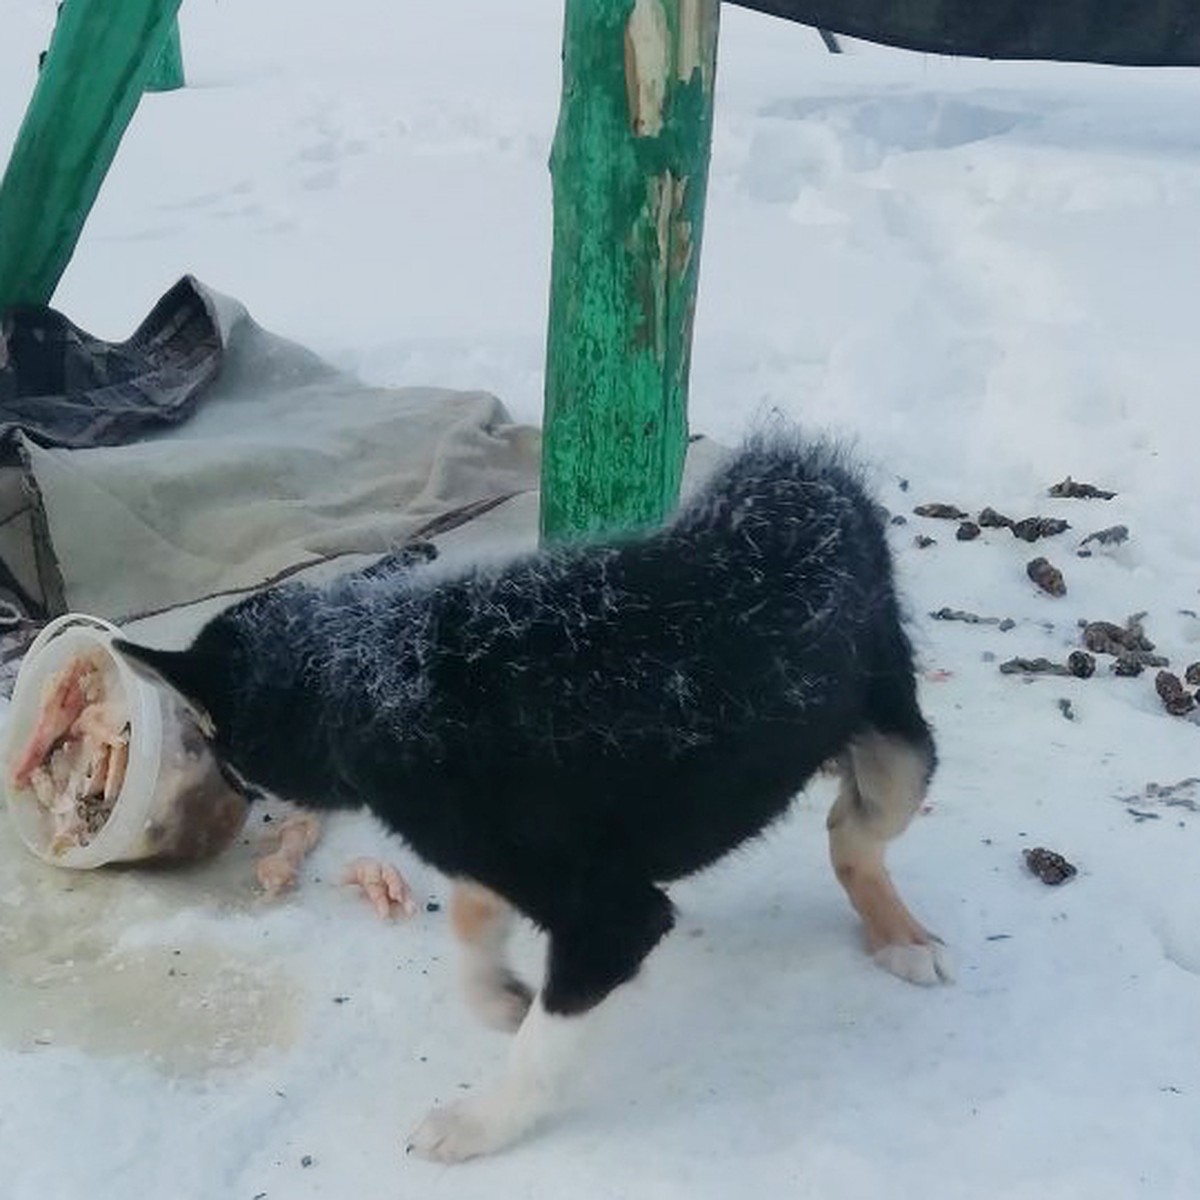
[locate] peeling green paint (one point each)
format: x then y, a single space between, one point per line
100 58
629 167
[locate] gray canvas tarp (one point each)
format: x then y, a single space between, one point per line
1147 33
238 457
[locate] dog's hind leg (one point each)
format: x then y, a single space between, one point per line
593 950
482 922
884 778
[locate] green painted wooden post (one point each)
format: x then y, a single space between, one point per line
100 57
630 168
167 74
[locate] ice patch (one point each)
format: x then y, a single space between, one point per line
68 979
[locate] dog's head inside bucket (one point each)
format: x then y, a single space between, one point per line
103 763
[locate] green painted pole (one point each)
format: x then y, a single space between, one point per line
629 168
167 75
99 60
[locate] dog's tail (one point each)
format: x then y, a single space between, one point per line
799 541
784 493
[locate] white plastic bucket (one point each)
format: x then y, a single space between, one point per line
173 803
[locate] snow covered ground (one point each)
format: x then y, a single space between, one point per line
986 275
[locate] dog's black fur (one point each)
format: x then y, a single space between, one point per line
578 726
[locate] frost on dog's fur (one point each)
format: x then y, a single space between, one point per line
575 727
380 639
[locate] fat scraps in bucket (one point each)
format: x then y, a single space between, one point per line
74 760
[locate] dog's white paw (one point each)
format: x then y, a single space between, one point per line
926 964
462 1130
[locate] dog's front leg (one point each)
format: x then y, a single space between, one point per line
482 922
540 1059
593 950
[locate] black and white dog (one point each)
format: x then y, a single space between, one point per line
566 732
